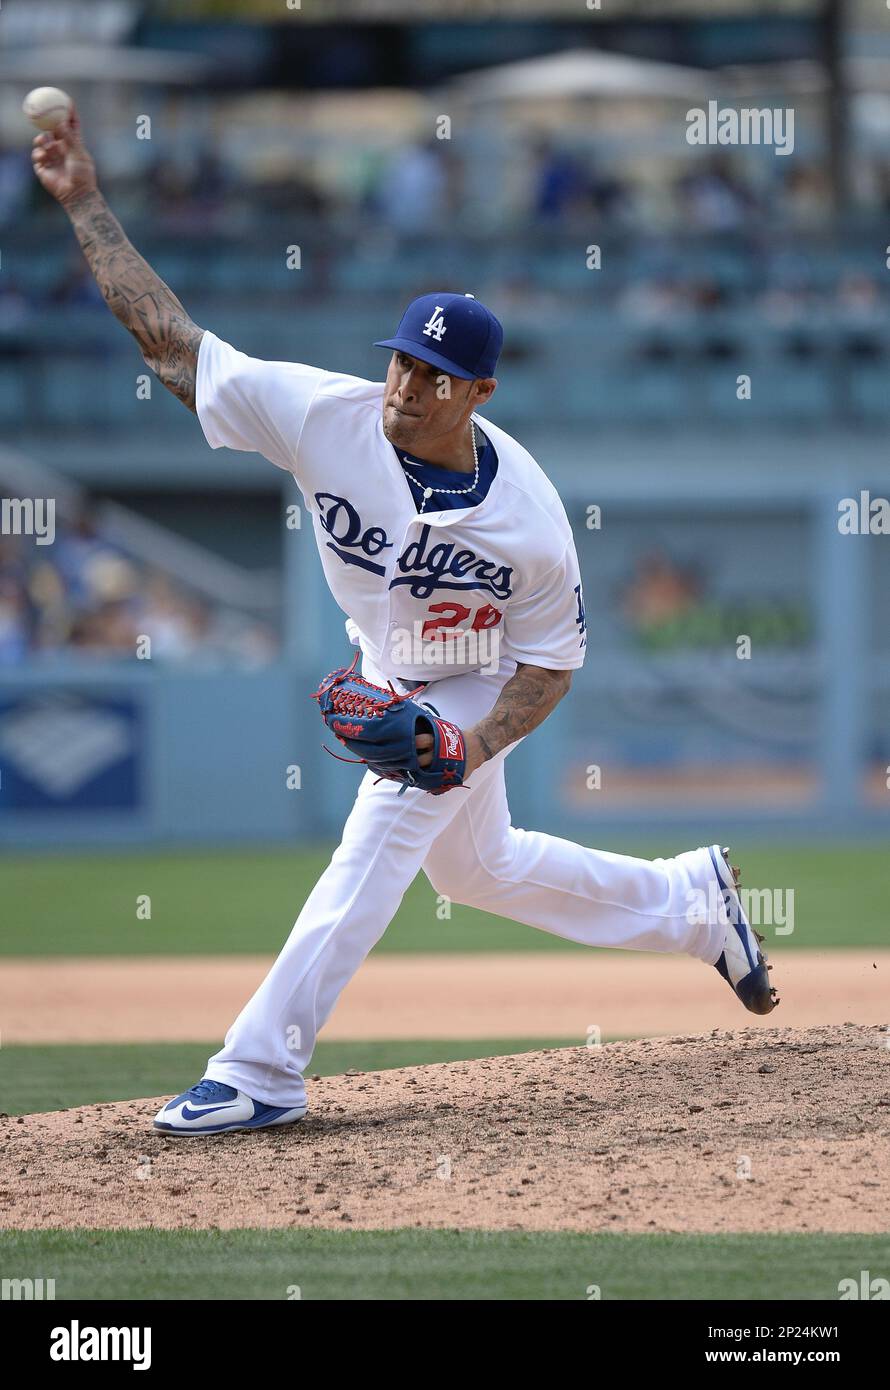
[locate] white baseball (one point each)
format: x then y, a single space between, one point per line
46 107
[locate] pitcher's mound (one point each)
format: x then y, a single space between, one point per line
760 1129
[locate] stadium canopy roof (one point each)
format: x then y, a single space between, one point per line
581 73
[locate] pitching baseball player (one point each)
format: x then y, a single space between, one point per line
451 554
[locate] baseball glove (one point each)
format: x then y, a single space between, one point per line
381 727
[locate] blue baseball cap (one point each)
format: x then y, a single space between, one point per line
451 331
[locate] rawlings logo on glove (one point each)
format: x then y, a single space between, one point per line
381 727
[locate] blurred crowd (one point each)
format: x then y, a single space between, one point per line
543 183
83 595
405 206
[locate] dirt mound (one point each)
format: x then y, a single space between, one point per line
750 1130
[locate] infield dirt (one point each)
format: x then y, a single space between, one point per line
758 1129
431 995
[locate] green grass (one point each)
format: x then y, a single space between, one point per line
57 1077
244 901
440 1265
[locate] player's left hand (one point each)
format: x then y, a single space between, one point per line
424 745
396 736
476 754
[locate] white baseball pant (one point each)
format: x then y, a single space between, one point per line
469 851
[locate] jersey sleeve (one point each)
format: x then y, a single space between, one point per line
547 627
245 403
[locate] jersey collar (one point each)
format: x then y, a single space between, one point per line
448 515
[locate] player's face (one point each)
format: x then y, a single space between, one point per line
422 404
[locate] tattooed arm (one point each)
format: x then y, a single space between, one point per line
531 693
138 298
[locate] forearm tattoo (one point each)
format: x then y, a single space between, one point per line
137 297
524 703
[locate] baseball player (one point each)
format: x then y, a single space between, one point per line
440 536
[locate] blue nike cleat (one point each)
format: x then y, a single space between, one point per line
742 963
211 1107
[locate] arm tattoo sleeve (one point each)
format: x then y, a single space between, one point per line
138 298
529 696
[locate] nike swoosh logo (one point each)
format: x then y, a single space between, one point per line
206 1110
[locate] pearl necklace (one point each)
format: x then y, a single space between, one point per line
454 491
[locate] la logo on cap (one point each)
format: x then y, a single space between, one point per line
435 325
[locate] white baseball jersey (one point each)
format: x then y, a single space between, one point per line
409 583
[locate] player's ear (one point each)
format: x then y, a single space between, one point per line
485 387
